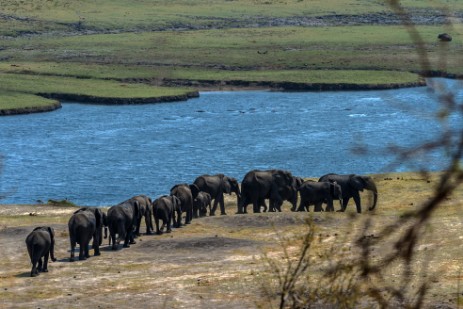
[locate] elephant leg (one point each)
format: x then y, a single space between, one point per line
169 229
195 211
73 247
344 204
214 207
148 224
112 235
358 203
222 206
329 205
96 245
39 264
34 271
301 206
87 249
127 240
131 235
189 215
262 204
82 250
158 230
45 263
318 206
137 230
242 205
272 207
179 218
256 206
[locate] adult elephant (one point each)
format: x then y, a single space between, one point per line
201 203
41 245
164 208
216 186
288 193
186 194
84 225
145 211
260 185
122 220
351 185
317 193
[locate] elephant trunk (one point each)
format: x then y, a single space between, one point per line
372 187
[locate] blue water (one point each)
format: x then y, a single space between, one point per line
101 155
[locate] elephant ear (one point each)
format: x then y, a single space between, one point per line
194 190
176 203
226 185
136 209
357 182
279 178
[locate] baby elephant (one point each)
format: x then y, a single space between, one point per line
41 243
164 209
201 203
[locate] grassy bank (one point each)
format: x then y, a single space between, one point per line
209 43
223 261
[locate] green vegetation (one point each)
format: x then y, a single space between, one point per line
91 87
16 100
239 40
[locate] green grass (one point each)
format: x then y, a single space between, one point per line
63 15
360 47
89 87
117 40
16 100
120 72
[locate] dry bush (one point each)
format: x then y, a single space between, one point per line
358 277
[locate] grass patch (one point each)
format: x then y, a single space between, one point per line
16 100
90 87
122 72
61 203
23 91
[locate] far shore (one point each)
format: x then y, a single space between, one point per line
204 86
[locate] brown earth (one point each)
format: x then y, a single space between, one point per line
222 261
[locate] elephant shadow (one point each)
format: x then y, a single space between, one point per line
24 274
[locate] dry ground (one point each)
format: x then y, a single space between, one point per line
219 262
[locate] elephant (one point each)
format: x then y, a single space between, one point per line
200 204
85 224
145 211
351 185
164 209
216 186
260 185
40 245
122 220
186 193
317 193
288 193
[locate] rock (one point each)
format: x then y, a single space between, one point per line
444 37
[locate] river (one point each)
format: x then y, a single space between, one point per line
100 155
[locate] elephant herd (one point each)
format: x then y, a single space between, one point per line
195 200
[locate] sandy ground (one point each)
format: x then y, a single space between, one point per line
215 262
